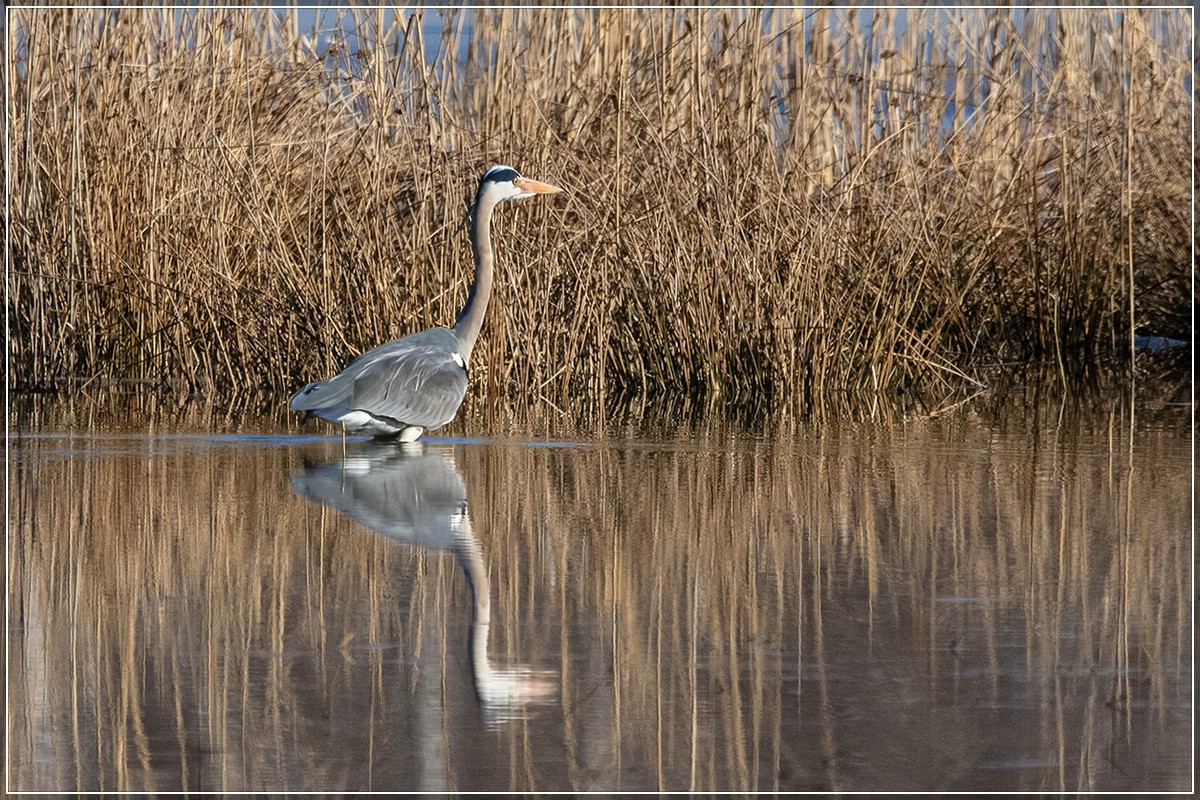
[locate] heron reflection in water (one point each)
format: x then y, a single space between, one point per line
416 496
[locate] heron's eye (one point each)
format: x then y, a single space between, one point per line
517 182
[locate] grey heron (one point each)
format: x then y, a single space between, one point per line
411 385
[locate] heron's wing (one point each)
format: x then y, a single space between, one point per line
418 380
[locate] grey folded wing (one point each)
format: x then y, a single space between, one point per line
419 380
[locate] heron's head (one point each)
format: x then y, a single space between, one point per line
505 183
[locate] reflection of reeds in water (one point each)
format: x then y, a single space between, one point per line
1009 555
718 619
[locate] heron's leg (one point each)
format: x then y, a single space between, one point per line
343 441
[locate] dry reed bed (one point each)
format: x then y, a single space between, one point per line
785 205
191 604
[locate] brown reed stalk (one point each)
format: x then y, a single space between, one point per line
789 207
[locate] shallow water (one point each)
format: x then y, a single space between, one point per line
989 599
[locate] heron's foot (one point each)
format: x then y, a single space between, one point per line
407 435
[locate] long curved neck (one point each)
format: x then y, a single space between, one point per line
470 319
470 557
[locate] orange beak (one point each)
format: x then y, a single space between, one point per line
531 187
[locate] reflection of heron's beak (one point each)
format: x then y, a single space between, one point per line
531 187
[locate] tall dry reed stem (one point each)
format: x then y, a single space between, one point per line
795 207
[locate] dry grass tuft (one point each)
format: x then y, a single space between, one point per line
796 207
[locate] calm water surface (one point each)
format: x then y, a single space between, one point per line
990 599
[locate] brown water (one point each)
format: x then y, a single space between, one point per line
989 599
